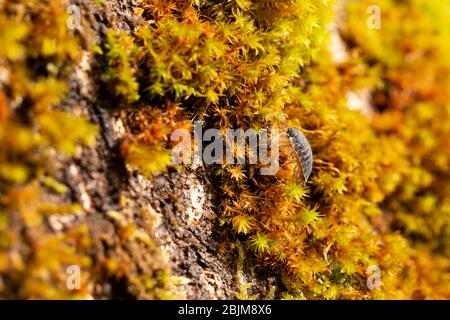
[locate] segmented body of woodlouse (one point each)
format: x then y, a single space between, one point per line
303 151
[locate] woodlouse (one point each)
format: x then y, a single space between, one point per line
302 149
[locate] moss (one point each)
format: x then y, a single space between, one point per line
120 74
147 146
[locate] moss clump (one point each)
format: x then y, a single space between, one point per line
147 146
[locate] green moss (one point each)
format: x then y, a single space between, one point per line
120 72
